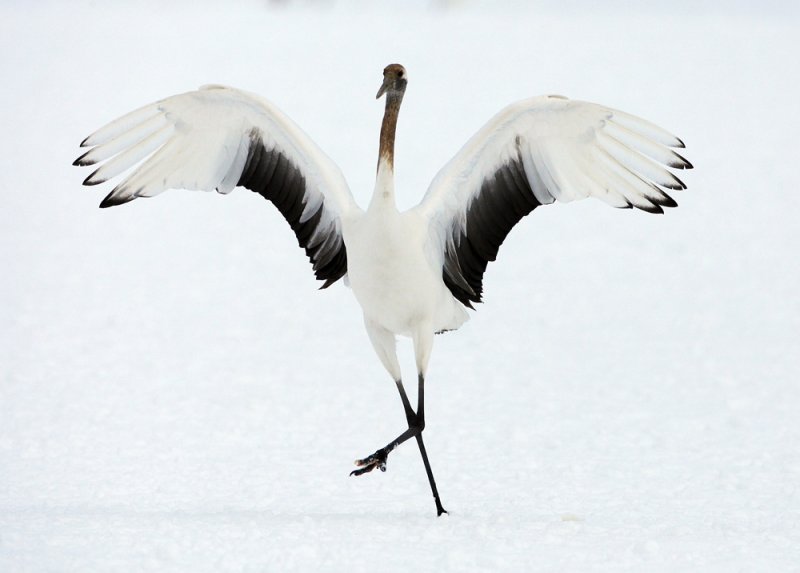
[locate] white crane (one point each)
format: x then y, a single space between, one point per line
413 273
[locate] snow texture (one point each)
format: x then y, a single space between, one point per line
176 395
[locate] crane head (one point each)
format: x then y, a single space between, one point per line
395 80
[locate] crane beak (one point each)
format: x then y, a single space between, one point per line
383 89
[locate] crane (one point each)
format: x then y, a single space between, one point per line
414 273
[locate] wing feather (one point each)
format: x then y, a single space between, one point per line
121 125
129 156
218 138
533 153
639 163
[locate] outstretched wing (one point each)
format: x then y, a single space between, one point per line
533 153
218 138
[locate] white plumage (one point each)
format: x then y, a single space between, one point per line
413 273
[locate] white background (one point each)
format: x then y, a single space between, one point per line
175 395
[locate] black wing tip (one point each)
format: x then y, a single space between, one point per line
654 209
667 202
89 181
675 185
81 161
659 203
328 282
467 299
85 142
683 163
112 200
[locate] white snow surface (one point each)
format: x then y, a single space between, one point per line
176 395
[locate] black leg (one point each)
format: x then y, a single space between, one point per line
439 509
378 459
410 415
416 424
421 421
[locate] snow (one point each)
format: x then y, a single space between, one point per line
175 395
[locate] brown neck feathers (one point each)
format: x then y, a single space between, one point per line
389 126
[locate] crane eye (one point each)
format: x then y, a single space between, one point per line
400 74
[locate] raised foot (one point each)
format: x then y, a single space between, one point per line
376 460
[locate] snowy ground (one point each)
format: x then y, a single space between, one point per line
175 395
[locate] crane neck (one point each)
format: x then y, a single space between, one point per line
384 182
389 126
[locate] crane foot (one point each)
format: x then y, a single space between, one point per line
376 460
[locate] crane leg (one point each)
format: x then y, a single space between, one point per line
422 452
416 424
385 346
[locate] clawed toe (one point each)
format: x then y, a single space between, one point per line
366 465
